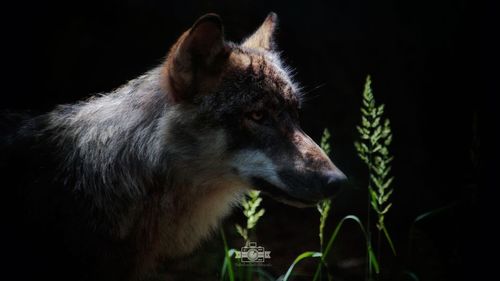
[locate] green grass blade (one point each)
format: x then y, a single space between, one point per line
301 257
424 216
372 257
230 253
262 273
389 240
411 275
328 247
433 212
228 265
336 231
318 270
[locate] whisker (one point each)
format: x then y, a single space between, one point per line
306 95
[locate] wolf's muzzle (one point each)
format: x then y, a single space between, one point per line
312 185
335 181
303 189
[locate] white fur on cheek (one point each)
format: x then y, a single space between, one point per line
254 163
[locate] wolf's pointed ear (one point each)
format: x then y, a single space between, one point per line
263 38
201 49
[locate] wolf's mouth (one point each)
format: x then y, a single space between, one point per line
280 195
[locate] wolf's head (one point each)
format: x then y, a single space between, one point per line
236 115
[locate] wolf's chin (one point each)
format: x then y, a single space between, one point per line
292 202
279 195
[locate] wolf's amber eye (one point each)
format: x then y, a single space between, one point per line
257 116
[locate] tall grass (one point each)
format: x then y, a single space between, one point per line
373 148
252 211
323 206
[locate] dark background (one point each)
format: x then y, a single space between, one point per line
417 52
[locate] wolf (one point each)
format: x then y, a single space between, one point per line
106 187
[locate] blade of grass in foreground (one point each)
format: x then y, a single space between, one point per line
389 240
228 265
411 275
263 273
301 257
424 216
371 255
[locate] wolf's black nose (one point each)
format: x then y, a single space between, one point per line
334 182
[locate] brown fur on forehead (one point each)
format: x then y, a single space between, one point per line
265 69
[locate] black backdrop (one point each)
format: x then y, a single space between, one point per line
417 53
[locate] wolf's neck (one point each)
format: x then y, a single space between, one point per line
114 143
192 213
